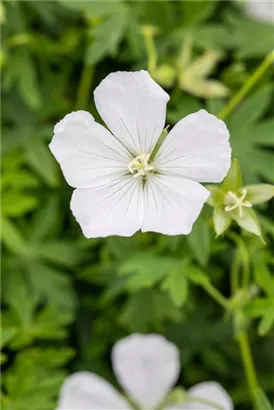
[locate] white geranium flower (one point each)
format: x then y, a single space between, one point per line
122 184
146 367
259 9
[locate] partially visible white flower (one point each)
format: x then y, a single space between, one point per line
146 367
122 186
209 392
259 9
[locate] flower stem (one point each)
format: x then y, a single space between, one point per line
248 364
234 276
251 81
242 258
84 87
216 295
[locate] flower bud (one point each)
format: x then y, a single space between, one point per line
165 74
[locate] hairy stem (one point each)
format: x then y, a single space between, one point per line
251 81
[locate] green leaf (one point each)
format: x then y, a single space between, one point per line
212 36
258 194
41 160
35 378
148 309
176 284
12 238
262 402
263 275
248 221
23 72
7 335
146 269
51 285
20 300
45 220
263 308
197 276
233 180
182 106
252 109
93 9
104 44
63 253
199 240
18 178
262 133
193 13
266 323
221 220
252 38
243 124
16 204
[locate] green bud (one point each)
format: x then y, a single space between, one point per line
165 74
177 396
233 180
193 75
149 30
235 75
221 220
258 194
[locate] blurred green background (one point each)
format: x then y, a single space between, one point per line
66 299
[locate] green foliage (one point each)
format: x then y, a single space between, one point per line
246 138
65 299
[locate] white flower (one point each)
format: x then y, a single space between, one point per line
259 9
120 187
146 367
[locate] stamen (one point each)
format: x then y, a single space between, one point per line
140 166
233 202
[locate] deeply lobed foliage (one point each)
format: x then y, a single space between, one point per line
67 299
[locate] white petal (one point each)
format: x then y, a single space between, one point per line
197 147
87 391
210 391
146 366
133 106
114 208
171 204
87 151
259 9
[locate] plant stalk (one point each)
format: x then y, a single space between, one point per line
216 295
84 87
250 82
248 365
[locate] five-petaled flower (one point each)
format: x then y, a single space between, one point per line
124 180
146 367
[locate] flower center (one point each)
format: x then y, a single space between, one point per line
140 166
233 201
